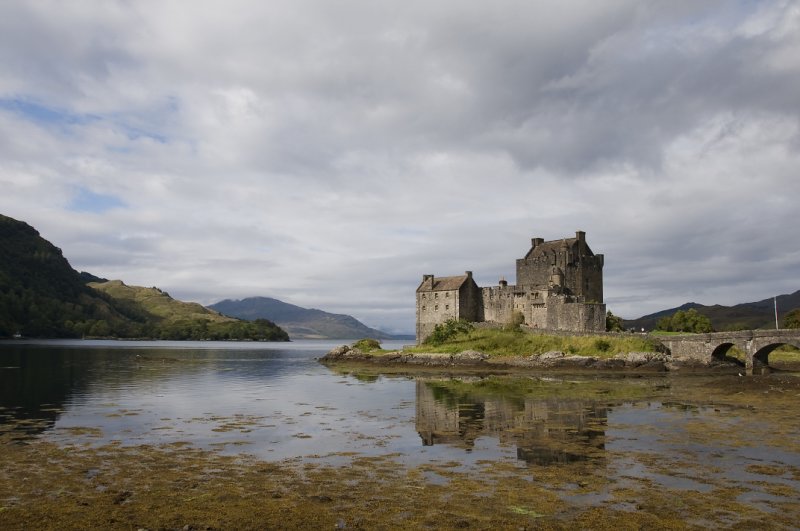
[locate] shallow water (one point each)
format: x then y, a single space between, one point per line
274 401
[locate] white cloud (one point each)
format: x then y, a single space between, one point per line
329 154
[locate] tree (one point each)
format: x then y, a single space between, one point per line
689 321
792 319
613 323
517 320
443 332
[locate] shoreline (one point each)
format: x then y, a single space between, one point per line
648 362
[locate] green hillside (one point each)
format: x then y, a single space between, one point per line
158 303
41 295
169 318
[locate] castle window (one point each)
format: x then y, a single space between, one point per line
423 295
447 307
423 308
435 295
436 308
447 294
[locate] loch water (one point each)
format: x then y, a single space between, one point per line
275 401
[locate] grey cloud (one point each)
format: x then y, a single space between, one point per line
330 154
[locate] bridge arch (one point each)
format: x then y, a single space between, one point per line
762 350
722 353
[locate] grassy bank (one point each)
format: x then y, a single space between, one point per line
501 342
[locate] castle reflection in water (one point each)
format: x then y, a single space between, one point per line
544 431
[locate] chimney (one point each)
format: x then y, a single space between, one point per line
426 277
468 273
503 282
536 241
580 236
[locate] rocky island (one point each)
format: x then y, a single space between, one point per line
503 350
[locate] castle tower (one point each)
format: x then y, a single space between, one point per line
581 271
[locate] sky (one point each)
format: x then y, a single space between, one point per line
329 153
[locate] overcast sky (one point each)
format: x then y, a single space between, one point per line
329 152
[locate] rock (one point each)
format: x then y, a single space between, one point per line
424 358
577 361
610 363
640 358
470 356
654 366
344 352
337 352
556 358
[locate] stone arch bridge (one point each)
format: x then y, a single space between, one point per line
756 344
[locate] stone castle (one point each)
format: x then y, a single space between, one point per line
559 287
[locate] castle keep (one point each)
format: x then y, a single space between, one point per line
559 287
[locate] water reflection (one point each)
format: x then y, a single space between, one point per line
35 388
454 413
39 381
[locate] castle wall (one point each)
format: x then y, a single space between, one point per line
538 316
590 277
577 317
534 272
498 303
470 302
435 307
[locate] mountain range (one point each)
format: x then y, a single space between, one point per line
300 323
745 316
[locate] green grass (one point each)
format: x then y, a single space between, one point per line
785 353
368 345
497 342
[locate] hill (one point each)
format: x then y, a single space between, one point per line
168 318
158 303
745 316
301 323
41 295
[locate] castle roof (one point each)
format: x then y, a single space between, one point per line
556 246
444 283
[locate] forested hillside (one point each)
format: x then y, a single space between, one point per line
41 295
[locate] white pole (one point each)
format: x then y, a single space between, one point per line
775 300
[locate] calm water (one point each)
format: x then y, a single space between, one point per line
275 401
